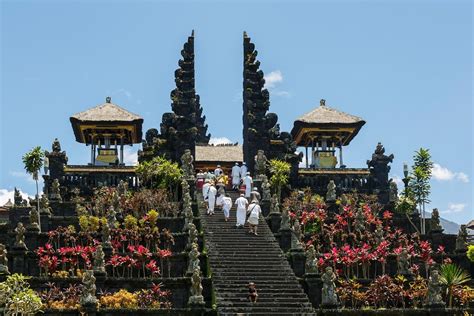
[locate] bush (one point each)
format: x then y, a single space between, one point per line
17 298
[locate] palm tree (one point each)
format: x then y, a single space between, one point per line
452 276
33 161
419 184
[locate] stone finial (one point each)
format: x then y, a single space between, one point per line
56 146
196 297
435 225
108 100
322 102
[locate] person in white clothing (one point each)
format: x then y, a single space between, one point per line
255 195
248 184
205 189
211 199
226 205
254 210
241 203
218 171
243 170
235 176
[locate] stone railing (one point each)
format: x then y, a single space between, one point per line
346 180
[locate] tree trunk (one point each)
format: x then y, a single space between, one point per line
38 204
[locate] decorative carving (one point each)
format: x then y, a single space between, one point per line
433 296
403 262
379 235
331 193
196 297
187 160
285 219
3 260
122 187
435 225
310 265
193 259
17 198
193 235
111 216
461 239
56 146
99 260
379 170
260 163
44 205
88 298
275 204
329 296
266 193
20 236
187 205
34 219
296 236
359 221
393 193
55 191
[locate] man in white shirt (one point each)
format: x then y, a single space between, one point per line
226 205
241 203
243 170
211 199
248 181
235 176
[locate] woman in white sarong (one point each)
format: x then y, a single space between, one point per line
235 176
226 205
211 199
254 211
248 184
241 203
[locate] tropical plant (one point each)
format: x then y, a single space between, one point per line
33 161
161 173
452 276
17 298
419 184
470 253
280 173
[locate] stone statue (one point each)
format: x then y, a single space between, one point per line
106 236
403 262
329 296
260 163
359 222
196 297
266 193
393 193
20 236
187 205
379 233
34 219
435 222
88 298
461 239
56 146
193 257
433 296
99 260
331 193
187 160
111 217
379 170
3 260
55 191
44 205
122 187
285 219
274 204
193 235
296 236
310 265
17 198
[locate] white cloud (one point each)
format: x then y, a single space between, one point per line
22 175
272 79
5 195
130 156
219 141
398 181
455 208
444 174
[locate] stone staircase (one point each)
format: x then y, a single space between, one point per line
237 258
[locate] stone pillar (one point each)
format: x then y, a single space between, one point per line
298 261
274 220
19 258
312 287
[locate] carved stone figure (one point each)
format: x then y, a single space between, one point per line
260 163
106 236
310 265
88 298
266 193
17 198
44 205
433 296
193 235
122 187
379 170
461 239
379 234
196 297
55 191
56 146
329 296
187 160
403 262
285 219
274 204
193 256
20 236
435 222
296 236
393 193
359 222
111 216
331 193
3 260
99 259
34 219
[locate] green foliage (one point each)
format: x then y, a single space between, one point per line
17 298
91 224
280 171
470 253
160 173
453 276
420 176
33 161
130 222
405 205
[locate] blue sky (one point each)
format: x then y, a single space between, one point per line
404 66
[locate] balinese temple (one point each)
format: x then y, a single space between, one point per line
323 132
107 128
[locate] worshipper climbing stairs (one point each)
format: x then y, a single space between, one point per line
238 258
